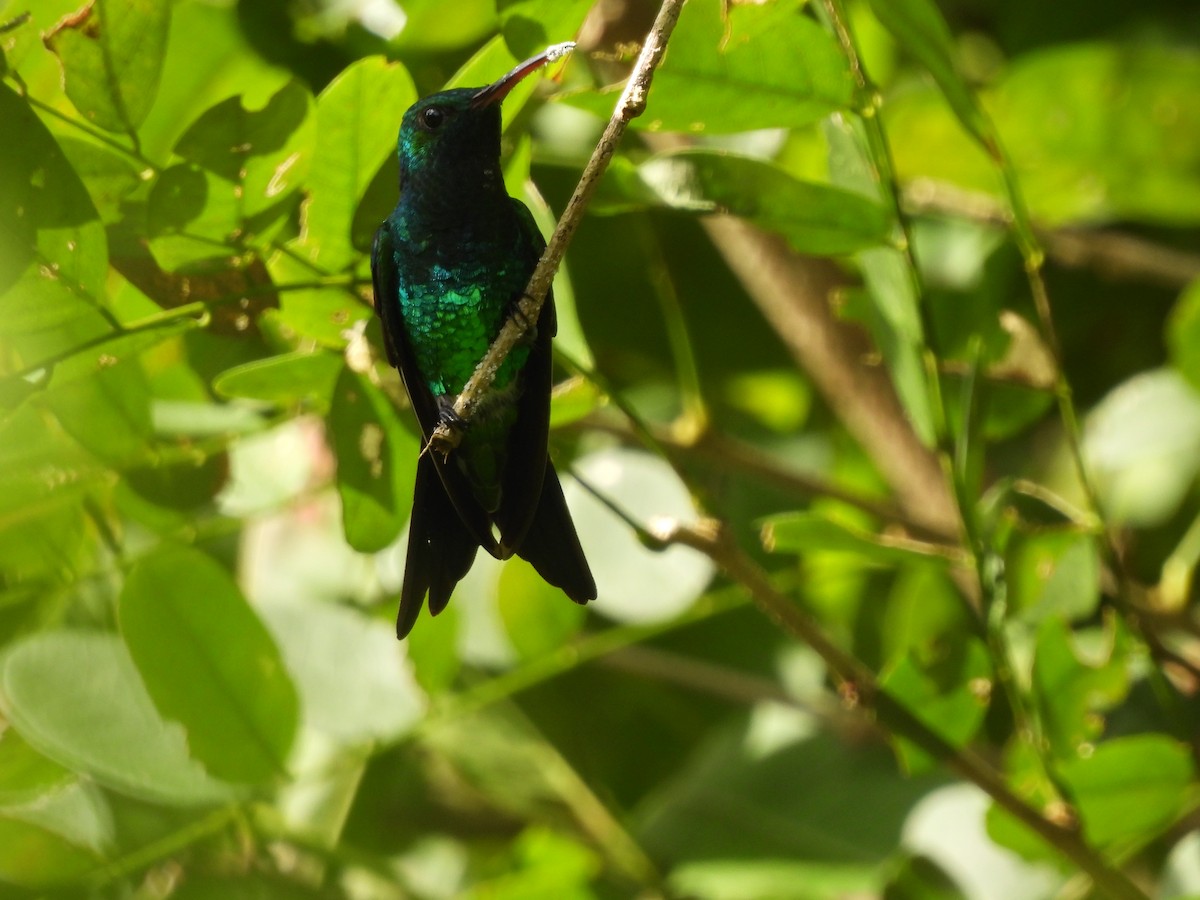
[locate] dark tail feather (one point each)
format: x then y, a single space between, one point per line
440 549
552 546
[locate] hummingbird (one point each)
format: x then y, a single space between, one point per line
448 267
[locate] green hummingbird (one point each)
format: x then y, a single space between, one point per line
448 266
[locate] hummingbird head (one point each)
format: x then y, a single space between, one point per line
451 140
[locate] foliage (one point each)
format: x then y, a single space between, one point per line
206 464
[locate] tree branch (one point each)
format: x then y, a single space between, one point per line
631 105
713 539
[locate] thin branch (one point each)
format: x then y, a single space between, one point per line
713 539
1114 254
631 105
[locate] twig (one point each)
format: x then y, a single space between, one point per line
1114 254
631 105
713 539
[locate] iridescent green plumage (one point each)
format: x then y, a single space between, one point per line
449 264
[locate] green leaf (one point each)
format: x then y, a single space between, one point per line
33 856
529 26
112 56
109 176
919 27
920 878
740 67
1053 573
947 687
376 463
289 379
354 686
77 698
1130 787
537 617
209 663
804 532
358 119
814 218
1183 334
53 250
1072 694
104 407
1140 445
635 584
24 773
263 154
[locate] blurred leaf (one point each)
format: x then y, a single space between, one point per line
804 532
537 617
1130 787
32 856
262 153
433 652
920 878
737 800
1053 573
1142 446
428 27
529 26
25 773
814 218
103 405
112 57
740 67
109 176
635 584
77 697
53 252
376 459
893 315
289 379
924 607
920 29
947 686
1072 694
352 682
1096 131
1183 334
572 400
209 663
545 864
358 119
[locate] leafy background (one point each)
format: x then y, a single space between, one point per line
206 467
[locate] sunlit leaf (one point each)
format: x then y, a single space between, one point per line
635 584
740 67
352 682
920 29
358 118
112 56
815 218
1053 573
947 687
1130 786
209 663
285 380
1183 334
53 251
77 697
1073 690
1140 444
804 532
376 463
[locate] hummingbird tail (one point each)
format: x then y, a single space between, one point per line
440 549
552 547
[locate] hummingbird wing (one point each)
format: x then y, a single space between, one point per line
533 517
400 355
523 472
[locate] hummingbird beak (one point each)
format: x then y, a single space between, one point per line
495 92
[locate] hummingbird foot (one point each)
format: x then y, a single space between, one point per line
448 417
529 330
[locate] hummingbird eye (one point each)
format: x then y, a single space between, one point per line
432 118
